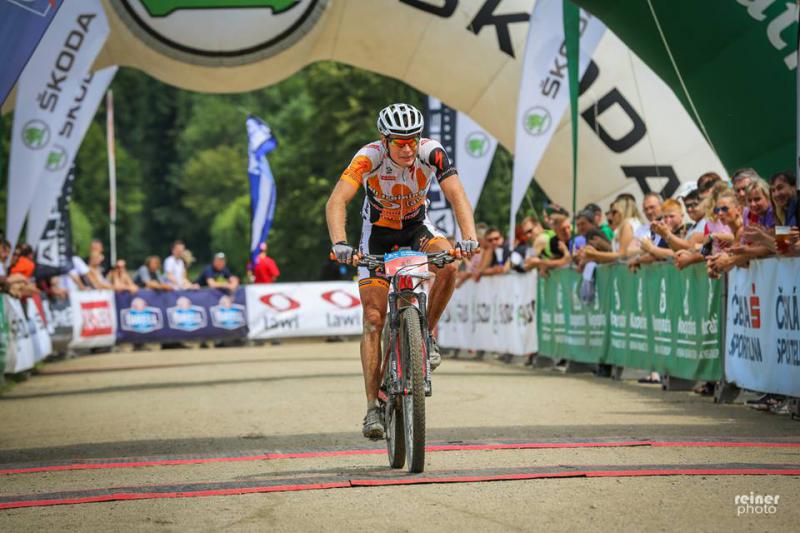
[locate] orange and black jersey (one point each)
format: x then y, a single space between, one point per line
396 197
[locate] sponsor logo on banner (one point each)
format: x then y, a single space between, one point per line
746 315
190 29
38 7
280 302
536 120
185 316
787 315
348 309
96 319
141 318
477 144
35 134
228 315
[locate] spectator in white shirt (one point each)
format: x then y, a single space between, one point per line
175 268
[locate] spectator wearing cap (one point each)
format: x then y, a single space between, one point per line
265 270
217 276
741 180
149 275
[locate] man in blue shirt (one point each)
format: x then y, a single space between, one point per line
217 276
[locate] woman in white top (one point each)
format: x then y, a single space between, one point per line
626 219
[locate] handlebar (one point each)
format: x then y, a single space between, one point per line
372 262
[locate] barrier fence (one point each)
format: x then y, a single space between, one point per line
33 329
658 318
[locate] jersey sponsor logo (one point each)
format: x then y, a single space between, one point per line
189 30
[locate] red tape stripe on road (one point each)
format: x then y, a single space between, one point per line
130 493
461 447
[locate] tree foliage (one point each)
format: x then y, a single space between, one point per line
182 165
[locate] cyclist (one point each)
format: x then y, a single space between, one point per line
396 173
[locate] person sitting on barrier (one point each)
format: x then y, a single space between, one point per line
175 267
625 220
149 275
495 257
98 280
217 276
15 284
120 278
729 216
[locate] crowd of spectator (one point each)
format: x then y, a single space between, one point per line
23 278
723 225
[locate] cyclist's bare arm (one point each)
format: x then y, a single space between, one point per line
454 192
336 210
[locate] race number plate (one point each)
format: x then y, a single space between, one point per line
411 261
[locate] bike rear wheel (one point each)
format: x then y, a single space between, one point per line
413 359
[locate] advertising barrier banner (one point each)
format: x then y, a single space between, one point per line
59 321
159 316
762 337
568 327
276 310
28 338
496 314
94 319
659 318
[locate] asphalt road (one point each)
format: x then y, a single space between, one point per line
268 438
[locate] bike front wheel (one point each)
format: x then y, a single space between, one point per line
413 360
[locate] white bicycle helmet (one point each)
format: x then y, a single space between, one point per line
400 119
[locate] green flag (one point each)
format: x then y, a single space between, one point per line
572 36
732 63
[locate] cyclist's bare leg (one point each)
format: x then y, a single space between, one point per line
373 300
443 285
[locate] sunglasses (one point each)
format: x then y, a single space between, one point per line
691 205
723 209
400 143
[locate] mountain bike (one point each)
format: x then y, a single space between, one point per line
405 345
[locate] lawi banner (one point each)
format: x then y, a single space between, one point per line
22 25
762 336
320 309
497 313
544 89
46 94
94 319
68 138
164 316
263 191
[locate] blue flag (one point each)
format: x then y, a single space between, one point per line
262 184
22 25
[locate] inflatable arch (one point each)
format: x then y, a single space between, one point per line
635 135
